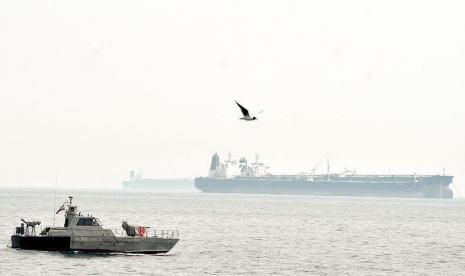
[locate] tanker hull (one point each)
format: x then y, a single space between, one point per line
428 187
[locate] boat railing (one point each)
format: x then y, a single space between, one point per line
150 233
29 232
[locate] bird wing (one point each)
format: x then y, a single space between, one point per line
244 110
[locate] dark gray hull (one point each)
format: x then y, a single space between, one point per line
94 244
159 184
426 187
41 243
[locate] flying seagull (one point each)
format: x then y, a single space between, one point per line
246 114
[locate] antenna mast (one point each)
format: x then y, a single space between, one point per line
327 169
55 202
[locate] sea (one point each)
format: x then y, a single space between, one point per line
239 234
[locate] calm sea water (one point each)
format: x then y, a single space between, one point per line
225 234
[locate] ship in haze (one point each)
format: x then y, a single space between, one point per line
240 176
137 181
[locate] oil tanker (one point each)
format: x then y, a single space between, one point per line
240 176
137 181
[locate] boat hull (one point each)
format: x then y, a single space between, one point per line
41 243
159 184
94 244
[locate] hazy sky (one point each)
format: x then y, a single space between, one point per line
91 89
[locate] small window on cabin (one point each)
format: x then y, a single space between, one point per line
85 222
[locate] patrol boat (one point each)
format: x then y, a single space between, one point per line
86 234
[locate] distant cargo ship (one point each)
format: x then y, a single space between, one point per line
136 181
238 176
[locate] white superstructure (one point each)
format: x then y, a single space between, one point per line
231 168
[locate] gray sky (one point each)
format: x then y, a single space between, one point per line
91 89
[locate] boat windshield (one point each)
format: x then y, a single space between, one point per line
88 222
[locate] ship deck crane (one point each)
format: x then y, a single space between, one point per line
316 167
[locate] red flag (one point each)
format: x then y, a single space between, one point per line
141 231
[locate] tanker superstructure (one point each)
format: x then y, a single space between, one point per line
238 176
